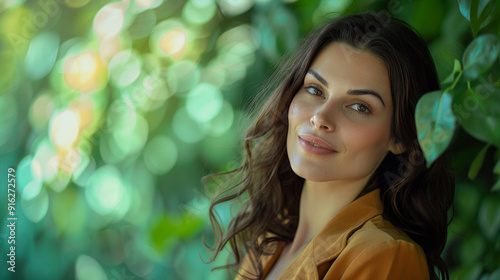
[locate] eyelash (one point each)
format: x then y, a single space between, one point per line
368 110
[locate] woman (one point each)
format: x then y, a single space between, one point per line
334 183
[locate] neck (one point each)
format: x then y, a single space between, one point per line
319 203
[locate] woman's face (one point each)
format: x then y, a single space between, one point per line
339 121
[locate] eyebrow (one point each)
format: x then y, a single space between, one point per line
365 92
349 92
318 77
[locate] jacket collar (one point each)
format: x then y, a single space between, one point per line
332 239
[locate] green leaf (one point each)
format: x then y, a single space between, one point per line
479 12
435 123
478 112
489 217
496 187
471 271
471 9
480 55
464 7
477 163
489 10
496 169
495 274
457 67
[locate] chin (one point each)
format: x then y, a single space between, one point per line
313 175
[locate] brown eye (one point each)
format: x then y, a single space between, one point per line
360 108
314 91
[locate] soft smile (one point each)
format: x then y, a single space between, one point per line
315 145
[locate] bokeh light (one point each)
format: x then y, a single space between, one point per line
183 76
113 111
204 102
28 176
110 19
87 268
40 111
60 181
129 132
111 45
223 121
47 157
85 109
148 4
42 52
124 68
173 42
143 25
169 38
86 167
235 7
187 129
85 72
160 155
199 11
64 128
35 207
34 187
105 192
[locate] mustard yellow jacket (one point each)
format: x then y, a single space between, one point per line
359 244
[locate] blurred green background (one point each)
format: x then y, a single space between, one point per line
111 112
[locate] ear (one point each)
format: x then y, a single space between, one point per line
396 147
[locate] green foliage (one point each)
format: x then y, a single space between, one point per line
496 170
489 220
480 55
156 90
435 123
475 106
477 163
474 239
477 111
479 12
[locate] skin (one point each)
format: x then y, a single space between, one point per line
356 126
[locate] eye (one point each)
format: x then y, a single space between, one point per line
312 90
360 108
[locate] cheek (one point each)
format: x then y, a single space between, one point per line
293 111
295 114
368 137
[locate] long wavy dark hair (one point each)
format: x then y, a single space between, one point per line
416 199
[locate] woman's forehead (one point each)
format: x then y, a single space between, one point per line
343 65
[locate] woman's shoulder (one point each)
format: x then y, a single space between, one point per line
379 233
378 239
379 250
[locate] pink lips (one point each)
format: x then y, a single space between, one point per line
315 145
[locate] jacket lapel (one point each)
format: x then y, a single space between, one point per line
314 260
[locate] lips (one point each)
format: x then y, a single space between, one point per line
315 144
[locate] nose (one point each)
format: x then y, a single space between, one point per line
323 121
